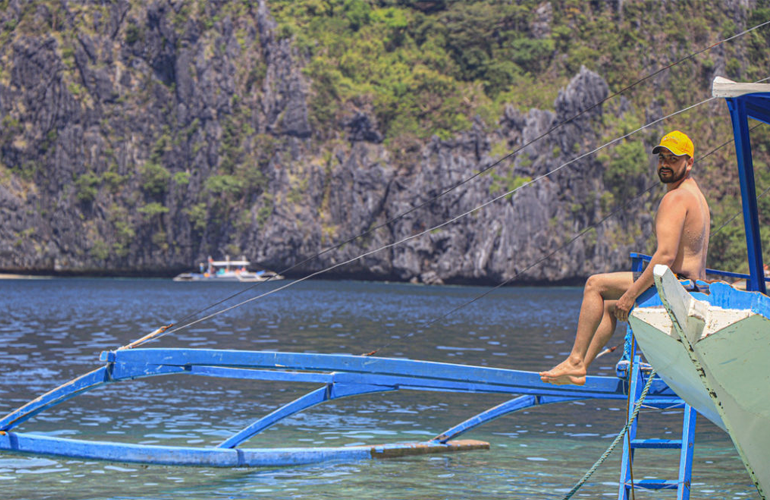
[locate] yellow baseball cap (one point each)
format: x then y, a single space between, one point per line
676 142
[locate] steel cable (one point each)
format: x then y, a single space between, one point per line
422 233
168 329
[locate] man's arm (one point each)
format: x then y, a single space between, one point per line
669 225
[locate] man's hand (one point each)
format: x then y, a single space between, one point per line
623 306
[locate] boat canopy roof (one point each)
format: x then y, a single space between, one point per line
756 96
243 263
747 100
722 87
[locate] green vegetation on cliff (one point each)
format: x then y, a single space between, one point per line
432 68
182 128
428 67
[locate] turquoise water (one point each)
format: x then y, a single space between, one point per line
54 330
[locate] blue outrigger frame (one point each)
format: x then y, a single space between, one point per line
339 376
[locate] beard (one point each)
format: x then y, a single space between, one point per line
673 177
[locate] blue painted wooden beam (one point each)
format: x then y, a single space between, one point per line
757 107
91 380
132 371
310 399
326 393
626 461
217 457
271 375
737 107
498 411
513 381
687 453
176 455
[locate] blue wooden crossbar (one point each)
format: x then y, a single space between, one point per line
517 404
326 393
215 457
406 373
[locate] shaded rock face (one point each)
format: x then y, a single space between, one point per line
285 91
502 240
149 143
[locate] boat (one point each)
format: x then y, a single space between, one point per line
668 321
228 270
713 349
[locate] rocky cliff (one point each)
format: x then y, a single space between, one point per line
139 139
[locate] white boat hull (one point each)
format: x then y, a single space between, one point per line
654 332
716 359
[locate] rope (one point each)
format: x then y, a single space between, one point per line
147 337
735 216
158 334
438 226
615 442
482 170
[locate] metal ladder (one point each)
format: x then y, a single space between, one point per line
631 444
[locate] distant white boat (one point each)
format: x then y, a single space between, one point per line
228 270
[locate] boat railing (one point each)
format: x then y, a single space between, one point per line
638 261
714 272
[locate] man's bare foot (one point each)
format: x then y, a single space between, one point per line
566 372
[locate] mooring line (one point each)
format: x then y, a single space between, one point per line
735 216
168 329
483 170
422 233
615 442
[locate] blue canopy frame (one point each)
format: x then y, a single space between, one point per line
756 106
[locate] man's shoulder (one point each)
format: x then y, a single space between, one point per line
684 193
677 195
678 199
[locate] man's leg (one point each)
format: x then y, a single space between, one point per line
603 332
595 317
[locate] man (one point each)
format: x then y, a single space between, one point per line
682 230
